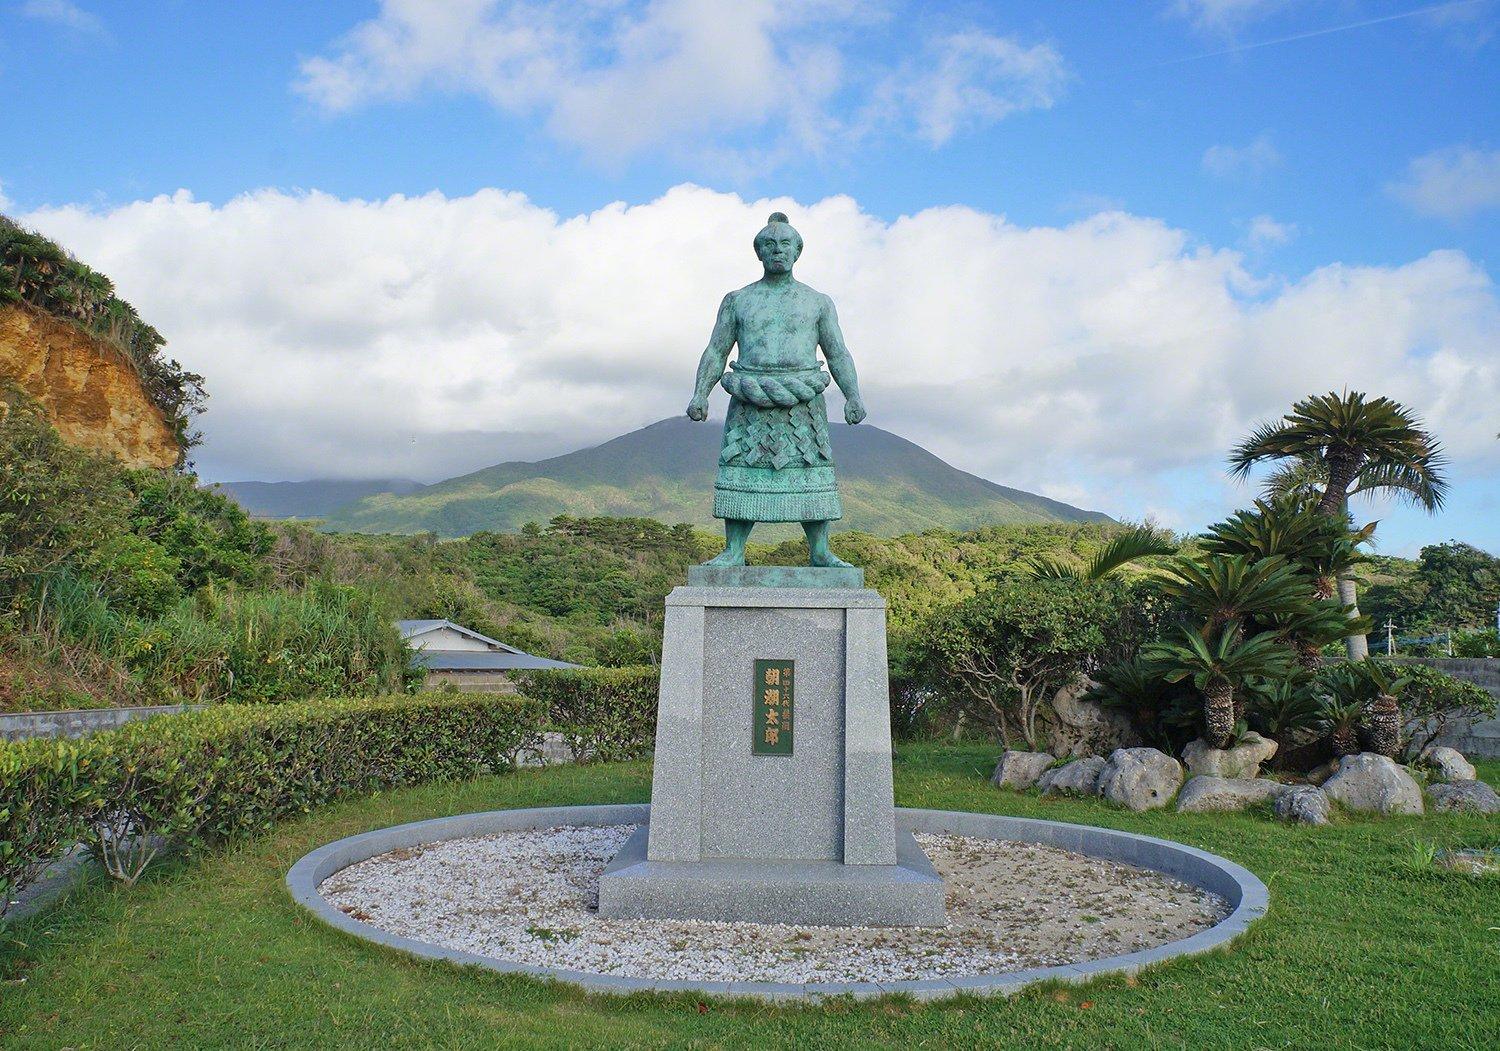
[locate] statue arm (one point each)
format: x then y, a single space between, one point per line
715 357
840 364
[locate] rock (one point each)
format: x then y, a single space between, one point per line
1302 803
1471 861
1318 774
1226 793
1237 763
1078 778
1140 778
1448 763
1374 784
1465 796
1075 726
1020 770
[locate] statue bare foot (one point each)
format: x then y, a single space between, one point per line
818 552
828 559
728 557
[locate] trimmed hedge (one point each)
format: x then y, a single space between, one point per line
604 714
233 770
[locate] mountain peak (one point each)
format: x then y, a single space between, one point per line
665 471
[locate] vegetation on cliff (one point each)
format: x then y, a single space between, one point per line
43 275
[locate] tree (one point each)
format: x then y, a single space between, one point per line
1356 445
1003 653
1462 585
1385 687
1224 590
1221 665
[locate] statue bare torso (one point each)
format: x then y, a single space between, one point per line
779 326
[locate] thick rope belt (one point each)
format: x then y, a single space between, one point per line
772 389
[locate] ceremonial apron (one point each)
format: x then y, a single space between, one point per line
776 464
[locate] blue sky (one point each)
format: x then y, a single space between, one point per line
1281 144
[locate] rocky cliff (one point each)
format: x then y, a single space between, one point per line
91 393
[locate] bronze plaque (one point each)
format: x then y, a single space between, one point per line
773 708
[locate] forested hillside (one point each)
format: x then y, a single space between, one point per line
665 471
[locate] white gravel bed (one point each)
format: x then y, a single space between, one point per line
529 897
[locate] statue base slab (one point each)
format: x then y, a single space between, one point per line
821 893
773 768
776 576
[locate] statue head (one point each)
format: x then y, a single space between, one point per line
778 244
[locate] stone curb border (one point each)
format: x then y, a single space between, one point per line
1246 894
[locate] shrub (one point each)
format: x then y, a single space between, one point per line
1002 654
1432 700
235 770
603 713
1484 643
46 801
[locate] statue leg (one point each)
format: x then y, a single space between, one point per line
818 553
736 533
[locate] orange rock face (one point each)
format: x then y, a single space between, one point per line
91 393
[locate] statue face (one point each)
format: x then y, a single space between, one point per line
778 250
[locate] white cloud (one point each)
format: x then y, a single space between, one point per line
1249 161
964 79
1263 232
1451 184
63 13
1115 356
1226 16
678 73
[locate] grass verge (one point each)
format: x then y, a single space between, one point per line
1364 947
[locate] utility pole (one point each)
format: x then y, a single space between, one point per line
1390 638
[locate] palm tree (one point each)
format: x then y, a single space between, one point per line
1134 543
1385 713
1225 590
1339 717
1292 526
1309 630
1220 668
1284 708
1355 444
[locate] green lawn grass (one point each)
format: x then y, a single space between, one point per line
1362 948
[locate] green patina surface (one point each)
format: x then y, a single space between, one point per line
776 463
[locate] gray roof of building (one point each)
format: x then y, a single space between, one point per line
410 629
475 660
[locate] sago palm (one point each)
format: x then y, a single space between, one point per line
1356 444
1320 623
1133 544
1220 666
1290 525
1385 687
1227 589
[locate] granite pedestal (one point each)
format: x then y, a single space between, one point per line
808 837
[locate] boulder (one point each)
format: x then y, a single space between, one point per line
1077 726
1448 764
1466 796
1374 784
1020 770
1240 762
1302 803
1078 778
1140 778
1226 793
1318 774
